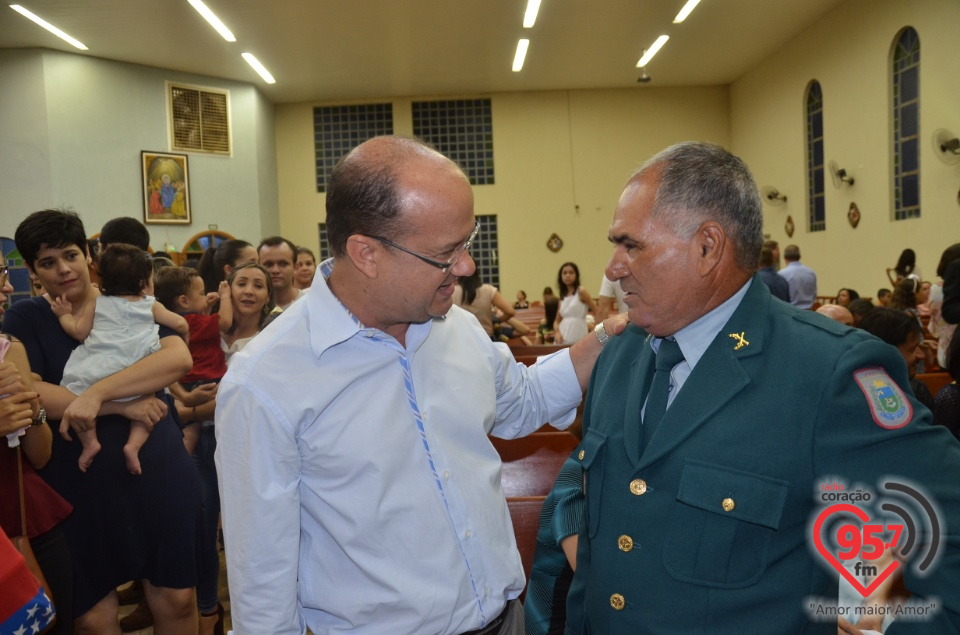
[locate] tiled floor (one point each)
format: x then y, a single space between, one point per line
224 599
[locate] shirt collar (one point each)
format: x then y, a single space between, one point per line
696 337
332 323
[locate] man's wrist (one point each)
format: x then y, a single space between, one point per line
602 336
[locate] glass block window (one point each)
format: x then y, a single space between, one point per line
462 130
339 129
815 169
906 125
486 250
324 245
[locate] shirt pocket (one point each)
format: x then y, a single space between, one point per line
591 455
721 525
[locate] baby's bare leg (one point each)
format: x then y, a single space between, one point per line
91 447
131 451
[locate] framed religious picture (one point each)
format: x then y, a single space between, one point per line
166 188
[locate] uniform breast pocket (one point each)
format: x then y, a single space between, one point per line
591 456
721 525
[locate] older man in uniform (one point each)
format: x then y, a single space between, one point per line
713 418
360 492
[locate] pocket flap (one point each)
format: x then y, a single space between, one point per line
590 448
741 495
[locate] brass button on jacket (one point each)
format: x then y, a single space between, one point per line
625 543
617 601
728 504
582 454
638 487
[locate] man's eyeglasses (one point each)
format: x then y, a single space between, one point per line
442 266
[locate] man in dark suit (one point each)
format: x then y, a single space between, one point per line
703 472
778 285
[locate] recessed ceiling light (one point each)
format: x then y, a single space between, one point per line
685 11
49 27
214 21
260 68
522 46
530 17
650 52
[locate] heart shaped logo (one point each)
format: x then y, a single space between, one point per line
835 562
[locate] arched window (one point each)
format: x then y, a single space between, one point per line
815 196
906 125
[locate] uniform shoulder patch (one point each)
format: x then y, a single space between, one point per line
889 406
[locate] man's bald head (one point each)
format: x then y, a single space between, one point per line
363 193
837 313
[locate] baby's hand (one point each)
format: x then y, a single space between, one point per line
224 288
61 306
212 298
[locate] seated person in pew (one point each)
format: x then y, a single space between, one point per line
901 330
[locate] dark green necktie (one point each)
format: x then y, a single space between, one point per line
668 356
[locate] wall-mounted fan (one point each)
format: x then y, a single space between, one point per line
839 175
773 196
946 146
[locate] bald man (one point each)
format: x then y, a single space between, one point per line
837 312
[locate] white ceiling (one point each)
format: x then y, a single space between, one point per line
329 50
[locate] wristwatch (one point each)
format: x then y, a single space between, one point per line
41 417
602 336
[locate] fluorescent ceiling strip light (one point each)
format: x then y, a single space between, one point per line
260 68
530 17
49 27
522 46
686 10
652 51
214 21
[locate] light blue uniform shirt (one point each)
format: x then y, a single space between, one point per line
695 337
359 490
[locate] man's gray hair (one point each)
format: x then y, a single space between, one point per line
701 182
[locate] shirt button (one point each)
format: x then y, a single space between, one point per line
468 533
446 474
728 504
638 487
617 602
625 543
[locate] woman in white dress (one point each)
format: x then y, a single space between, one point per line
575 302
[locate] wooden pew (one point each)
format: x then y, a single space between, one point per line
530 467
935 381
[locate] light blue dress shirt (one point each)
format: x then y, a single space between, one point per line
803 284
359 490
695 337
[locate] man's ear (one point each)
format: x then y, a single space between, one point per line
364 252
711 243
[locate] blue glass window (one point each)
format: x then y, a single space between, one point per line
462 130
906 125
339 129
817 219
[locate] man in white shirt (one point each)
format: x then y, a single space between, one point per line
609 291
360 493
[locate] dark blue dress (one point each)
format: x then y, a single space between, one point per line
123 527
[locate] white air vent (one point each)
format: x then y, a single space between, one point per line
199 118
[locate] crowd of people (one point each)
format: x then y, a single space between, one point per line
127 351
335 415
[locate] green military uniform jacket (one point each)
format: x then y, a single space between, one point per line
706 530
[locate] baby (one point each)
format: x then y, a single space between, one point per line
118 330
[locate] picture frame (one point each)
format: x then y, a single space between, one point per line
165 178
